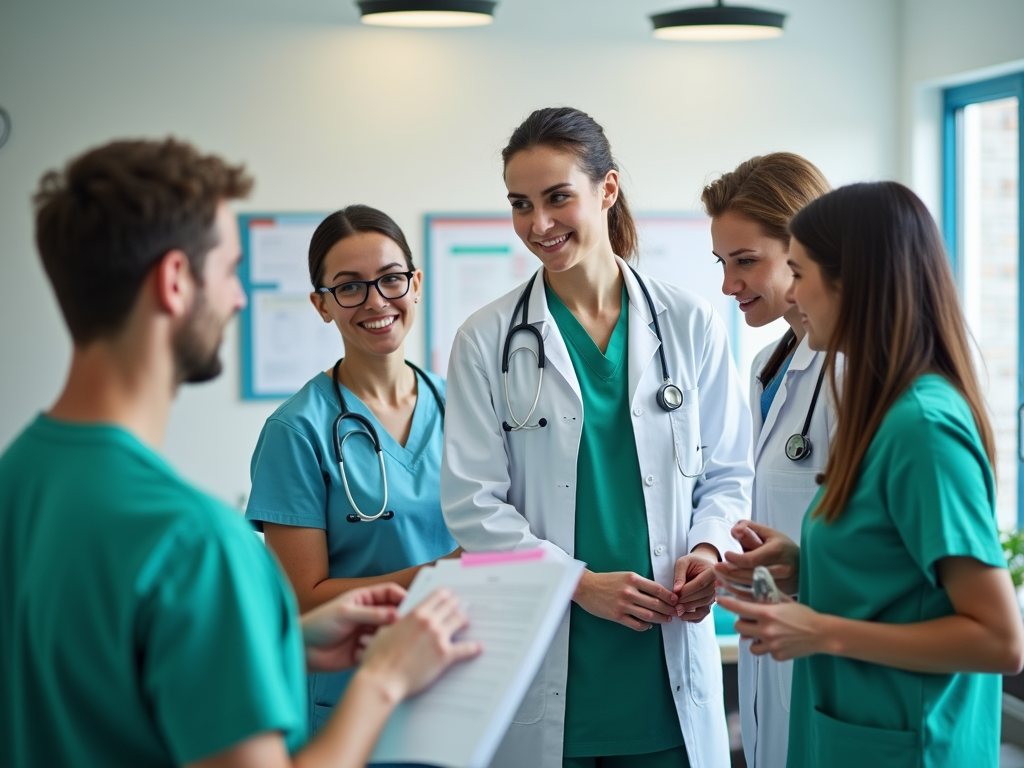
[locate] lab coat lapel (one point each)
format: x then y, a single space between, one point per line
802 357
643 341
556 354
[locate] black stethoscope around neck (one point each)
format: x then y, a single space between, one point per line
669 396
371 433
798 447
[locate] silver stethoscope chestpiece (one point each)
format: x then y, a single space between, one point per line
670 397
798 447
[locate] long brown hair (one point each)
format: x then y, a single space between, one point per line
899 317
768 190
570 130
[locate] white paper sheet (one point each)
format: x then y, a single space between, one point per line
514 610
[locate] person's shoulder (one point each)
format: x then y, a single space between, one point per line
308 405
928 411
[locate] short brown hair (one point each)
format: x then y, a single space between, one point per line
105 219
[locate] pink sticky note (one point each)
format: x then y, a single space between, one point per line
469 559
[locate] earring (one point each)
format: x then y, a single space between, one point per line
416 300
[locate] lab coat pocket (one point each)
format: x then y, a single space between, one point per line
788 494
839 744
686 435
705 661
532 709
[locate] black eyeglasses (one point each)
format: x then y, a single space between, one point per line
393 285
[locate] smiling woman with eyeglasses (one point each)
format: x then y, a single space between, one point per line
359 443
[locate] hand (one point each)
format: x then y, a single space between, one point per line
762 546
787 630
334 632
695 583
410 654
626 598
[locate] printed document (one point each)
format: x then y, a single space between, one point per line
515 604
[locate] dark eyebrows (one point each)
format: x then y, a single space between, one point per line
382 270
792 264
548 191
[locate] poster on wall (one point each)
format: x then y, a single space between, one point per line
284 341
474 259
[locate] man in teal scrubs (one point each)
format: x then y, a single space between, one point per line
141 621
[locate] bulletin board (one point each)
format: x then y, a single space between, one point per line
471 260
284 341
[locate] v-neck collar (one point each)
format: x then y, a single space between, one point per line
606 364
417 442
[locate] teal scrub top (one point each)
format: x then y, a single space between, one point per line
609 662
296 481
141 621
925 492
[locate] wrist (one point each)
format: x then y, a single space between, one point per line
707 551
829 635
582 587
382 688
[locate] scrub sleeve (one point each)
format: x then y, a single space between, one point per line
925 492
618 695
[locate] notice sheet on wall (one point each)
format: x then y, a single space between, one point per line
284 341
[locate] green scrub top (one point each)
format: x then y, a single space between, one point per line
618 694
925 492
142 622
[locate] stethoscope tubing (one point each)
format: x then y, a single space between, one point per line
799 446
370 432
669 396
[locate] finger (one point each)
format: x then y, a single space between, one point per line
375 616
654 589
698 615
748 560
747 536
652 604
436 598
650 617
695 603
386 594
465 649
634 623
741 607
702 581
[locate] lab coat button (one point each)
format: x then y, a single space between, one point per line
659 550
638 411
649 480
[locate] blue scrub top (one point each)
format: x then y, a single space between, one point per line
296 481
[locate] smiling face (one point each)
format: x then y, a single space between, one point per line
816 300
754 267
378 326
557 211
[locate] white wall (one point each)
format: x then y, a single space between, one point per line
945 43
327 112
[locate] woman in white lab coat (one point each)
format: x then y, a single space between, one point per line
750 209
596 467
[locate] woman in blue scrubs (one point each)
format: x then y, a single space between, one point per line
364 283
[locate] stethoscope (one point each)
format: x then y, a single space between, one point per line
369 431
669 396
798 447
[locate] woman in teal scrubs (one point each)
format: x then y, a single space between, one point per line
365 283
906 614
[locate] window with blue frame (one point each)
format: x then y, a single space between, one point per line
983 213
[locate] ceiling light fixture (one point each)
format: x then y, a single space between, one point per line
718 22
427 13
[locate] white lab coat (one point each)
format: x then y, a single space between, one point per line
783 490
515 490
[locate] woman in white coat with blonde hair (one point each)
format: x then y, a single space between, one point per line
629 450
793 413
